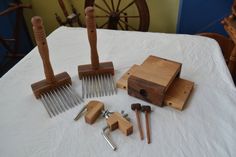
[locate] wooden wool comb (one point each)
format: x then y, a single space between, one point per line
97 78
55 92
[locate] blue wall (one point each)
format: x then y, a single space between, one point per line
196 16
6 30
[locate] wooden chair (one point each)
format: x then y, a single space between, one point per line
72 20
227 44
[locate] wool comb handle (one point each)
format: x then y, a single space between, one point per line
40 38
92 36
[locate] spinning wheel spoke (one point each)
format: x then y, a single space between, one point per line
121 26
99 7
104 24
118 5
129 16
127 6
105 2
112 4
105 16
128 25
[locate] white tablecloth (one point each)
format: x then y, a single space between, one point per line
207 127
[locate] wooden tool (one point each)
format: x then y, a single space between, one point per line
147 110
117 121
93 111
157 81
137 108
97 79
55 91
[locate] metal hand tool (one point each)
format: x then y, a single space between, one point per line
97 78
55 92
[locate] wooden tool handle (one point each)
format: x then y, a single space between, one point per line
147 127
92 36
63 7
41 41
139 124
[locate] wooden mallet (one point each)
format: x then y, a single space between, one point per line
137 108
147 110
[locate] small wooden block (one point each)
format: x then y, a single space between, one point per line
117 121
178 93
94 110
43 86
87 70
123 81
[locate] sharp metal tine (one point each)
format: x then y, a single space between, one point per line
82 87
76 100
107 85
89 87
56 102
46 106
100 85
66 98
103 85
75 97
62 98
111 84
114 84
52 103
64 108
69 96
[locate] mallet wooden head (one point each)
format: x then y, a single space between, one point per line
136 106
146 108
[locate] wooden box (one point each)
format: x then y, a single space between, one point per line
157 81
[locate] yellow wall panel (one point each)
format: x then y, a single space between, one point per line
163 13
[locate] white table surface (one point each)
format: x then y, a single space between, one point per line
207 127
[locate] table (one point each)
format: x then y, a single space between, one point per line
205 128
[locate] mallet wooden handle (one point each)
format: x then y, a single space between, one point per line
139 124
147 127
92 36
41 41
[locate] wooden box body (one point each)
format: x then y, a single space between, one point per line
151 80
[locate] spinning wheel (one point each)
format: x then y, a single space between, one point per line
121 14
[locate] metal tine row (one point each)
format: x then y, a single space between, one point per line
98 86
60 100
